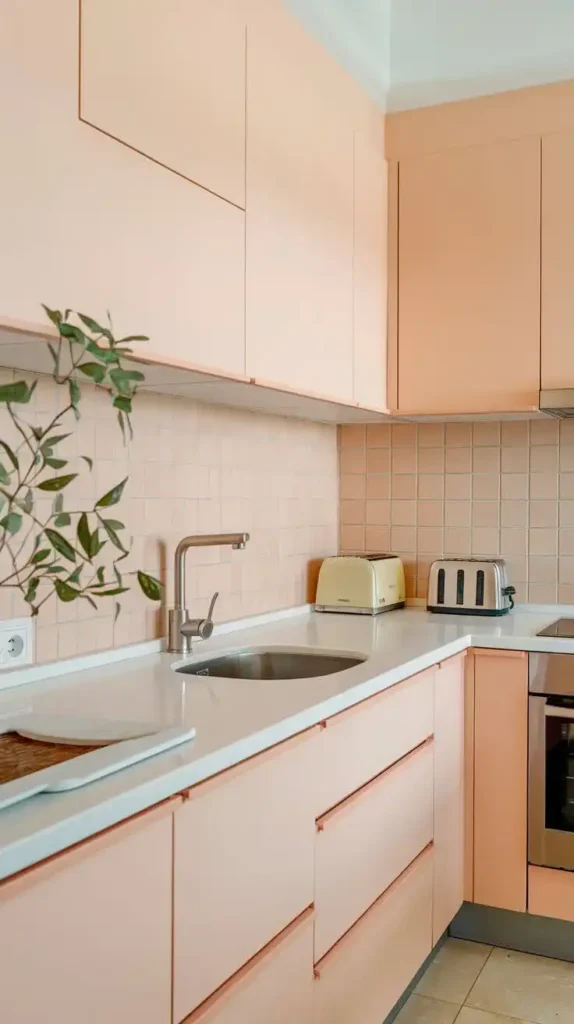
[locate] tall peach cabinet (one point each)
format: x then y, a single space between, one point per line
500 778
557 354
449 797
88 933
469 279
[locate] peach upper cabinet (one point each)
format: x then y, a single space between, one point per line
557 360
167 77
302 162
98 221
469 279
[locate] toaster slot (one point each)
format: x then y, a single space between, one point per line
460 586
440 586
480 588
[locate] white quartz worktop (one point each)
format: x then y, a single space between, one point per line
233 718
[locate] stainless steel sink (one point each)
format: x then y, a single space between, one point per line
271 663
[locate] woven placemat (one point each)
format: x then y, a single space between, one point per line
20 756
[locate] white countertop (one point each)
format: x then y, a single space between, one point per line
236 718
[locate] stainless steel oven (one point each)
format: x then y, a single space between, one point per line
551 760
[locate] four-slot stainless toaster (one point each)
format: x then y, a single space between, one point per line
469 586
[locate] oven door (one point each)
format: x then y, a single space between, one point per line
551 782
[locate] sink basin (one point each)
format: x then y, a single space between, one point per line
272 663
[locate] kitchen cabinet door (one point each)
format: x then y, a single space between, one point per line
557 362
276 987
364 975
167 77
299 218
449 822
243 866
469 279
500 778
86 936
370 266
91 224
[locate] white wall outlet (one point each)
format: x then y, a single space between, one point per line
16 643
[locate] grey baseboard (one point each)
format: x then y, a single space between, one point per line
526 933
410 989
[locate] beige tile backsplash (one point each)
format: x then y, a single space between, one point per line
194 468
433 489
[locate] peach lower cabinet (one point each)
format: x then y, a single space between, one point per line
306 884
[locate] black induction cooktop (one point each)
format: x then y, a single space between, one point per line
562 627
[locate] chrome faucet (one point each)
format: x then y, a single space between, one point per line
182 629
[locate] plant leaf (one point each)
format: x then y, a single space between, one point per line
27 503
33 585
118 575
84 534
126 375
75 395
40 556
117 610
150 586
74 333
63 519
51 442
109 593
10 454
100 575
89 461
12 522
95 371
123 403
61 545
16 392
74 576
49 569
56 463
112 497
54 315
58 503
132 337
53 353
57 483
65 592
4 475
112 534
92 325
104 355
86 597
114 524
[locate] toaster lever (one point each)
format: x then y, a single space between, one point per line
509 592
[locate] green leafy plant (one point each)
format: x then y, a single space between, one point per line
70 554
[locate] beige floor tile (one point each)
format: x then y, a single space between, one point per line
453 971
423 1010
469 1016
531 988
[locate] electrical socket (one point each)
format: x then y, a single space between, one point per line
16 643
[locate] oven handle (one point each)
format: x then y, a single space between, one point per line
553 711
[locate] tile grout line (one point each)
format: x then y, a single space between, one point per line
477 977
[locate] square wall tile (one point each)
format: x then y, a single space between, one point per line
431 435
486 486
429 539
431 487
352 513
403 513
352 436
543 486
378 460
566 485
458 460
514 486
542 569
378 513
485 541
514 460
486 460
378 485
514 433
431 460
459 434
403 435
544 459
513 541
352 486
403 538
544 432
378 435
352 538
404 460
457 540
353 460
514 513
566 513
566 541
457 486
457 513
486 434
485 513
404 486
430 513
543 542
544 513
377 538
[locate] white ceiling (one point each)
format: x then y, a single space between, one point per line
413 53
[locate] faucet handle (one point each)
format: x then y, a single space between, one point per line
205 627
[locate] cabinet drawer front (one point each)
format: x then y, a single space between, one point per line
87 936
360 743
365 843
274 988
243 867
551 893
362 977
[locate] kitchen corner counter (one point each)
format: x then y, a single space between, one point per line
234 719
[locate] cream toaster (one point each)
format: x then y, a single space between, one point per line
362 584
